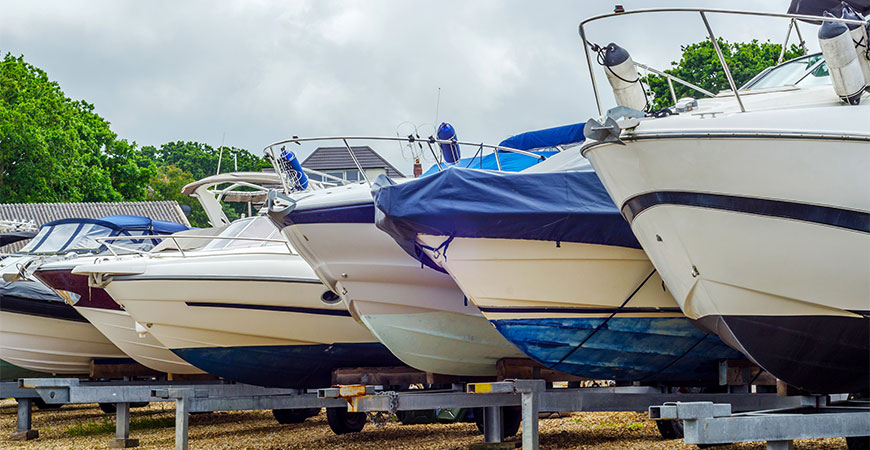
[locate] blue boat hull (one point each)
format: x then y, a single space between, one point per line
663 349
286 366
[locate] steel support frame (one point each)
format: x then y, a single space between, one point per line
188 397
711 423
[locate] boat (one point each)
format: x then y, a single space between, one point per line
41 333
103 312
244 307
414 308
41 330
551 263
753 206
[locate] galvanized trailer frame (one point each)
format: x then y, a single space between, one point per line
707 423
534 397
189 397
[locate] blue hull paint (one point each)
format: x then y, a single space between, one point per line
286 366
623 349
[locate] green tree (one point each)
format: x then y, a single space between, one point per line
700 65
54 149
201 160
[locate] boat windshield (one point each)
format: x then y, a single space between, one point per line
792 73
255 227
79 237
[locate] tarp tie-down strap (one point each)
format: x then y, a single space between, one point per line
437 251
601 325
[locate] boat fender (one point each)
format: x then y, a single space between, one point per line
860 39
291 162
842 59
450 151
622 75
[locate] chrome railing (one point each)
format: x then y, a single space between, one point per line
703 13
429 142
174 238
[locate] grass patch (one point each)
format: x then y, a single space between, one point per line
635 426
107 426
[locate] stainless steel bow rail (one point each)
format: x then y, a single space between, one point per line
269 151
703 14
189 397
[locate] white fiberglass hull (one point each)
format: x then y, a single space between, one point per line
592 310
52 345
417 312
761 237
120 329
257 318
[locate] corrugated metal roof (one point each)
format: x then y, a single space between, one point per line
334 158
41 213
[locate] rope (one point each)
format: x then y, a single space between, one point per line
601 325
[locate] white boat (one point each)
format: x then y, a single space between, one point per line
39 332
755 209
43 332
418 312
243 307
553 266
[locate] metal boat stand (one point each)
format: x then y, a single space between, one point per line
534 397
817 417
189 397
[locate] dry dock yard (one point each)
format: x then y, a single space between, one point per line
86 426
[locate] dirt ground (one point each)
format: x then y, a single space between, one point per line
85 426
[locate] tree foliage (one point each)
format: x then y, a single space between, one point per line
54 149
700 65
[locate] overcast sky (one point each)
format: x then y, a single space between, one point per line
261 71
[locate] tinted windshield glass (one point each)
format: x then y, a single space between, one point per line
786 74
255 227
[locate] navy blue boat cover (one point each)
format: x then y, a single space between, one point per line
550 206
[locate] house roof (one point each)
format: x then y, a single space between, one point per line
332 158
41 213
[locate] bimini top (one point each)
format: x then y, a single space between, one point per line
80 234
541 142
550 206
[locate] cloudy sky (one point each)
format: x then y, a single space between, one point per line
260 71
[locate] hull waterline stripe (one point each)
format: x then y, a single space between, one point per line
352 213
214 278
41 308
293 309
577 310
823 215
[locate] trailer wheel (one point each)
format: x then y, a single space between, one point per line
343 422
418 417
288 416
670 429
40 404
858 443
512 417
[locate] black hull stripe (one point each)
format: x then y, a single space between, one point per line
41 308
823 215
577 310
213 278
293 309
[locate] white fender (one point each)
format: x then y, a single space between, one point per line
842 59
622 75
859 39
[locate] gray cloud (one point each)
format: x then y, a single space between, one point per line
262 71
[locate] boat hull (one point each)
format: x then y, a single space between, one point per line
247 319
591 310
52 345
95 305
417 312
760 243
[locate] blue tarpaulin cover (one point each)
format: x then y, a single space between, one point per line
550 206
540 142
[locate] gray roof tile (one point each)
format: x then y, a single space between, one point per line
332 158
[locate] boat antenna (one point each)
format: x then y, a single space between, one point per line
221 154
437 104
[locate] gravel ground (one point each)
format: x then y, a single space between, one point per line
258 429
